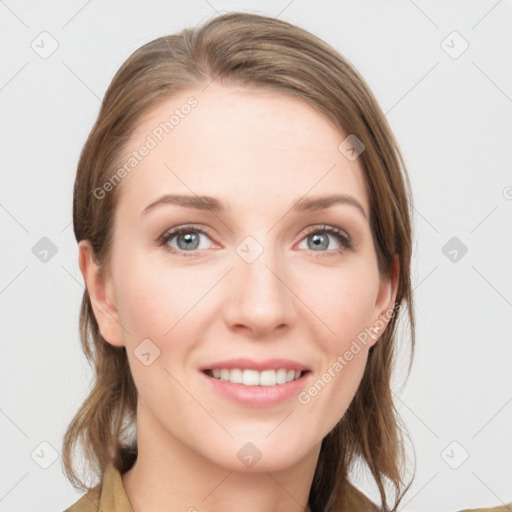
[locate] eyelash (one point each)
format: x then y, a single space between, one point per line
344 239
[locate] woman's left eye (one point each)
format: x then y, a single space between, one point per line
186 239
318 238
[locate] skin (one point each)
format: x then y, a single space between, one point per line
257 151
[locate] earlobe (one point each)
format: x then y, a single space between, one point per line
101 294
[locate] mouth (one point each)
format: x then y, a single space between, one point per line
250 377
253 383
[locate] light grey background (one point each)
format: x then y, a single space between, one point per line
452 117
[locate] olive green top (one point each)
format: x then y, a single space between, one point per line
112 498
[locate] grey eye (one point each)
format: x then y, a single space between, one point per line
187 239
190 240
318 241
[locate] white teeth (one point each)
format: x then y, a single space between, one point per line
281 376
235 376
268 378
250 378
255 378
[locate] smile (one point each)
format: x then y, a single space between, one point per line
249 377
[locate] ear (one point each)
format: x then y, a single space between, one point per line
101 292
385 303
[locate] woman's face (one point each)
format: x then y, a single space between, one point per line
257 280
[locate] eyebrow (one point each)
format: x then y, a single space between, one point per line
303 204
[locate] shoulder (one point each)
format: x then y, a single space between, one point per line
358 502
501 508
109 496
89 502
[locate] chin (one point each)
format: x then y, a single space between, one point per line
264 455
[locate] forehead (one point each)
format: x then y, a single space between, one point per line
233 141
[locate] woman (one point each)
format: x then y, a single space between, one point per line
243 218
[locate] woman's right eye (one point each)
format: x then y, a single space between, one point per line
182 240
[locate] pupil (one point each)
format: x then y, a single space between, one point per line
189 239
318 242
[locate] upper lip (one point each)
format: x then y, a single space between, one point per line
250 364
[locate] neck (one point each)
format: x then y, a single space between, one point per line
168 475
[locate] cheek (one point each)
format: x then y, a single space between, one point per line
152 300
154 312
345 304
343 300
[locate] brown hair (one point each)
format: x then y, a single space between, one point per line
249 50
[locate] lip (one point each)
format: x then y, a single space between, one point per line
257 396
250 364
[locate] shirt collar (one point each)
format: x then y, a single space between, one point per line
113 496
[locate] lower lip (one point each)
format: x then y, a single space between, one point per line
258 396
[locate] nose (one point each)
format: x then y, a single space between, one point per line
260 297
